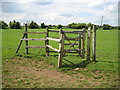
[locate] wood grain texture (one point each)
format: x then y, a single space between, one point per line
26 36
94 44
88 43
53 39
61 48
36 32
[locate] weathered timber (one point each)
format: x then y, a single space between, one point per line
79 44
53 39
64 51
36 32
35 46
52 48
72 32
68 38
67 50
47 42
88 43
72 52
53 31
83 43
26 36
33 39
61 48
20 44
94 44
53 51
70 44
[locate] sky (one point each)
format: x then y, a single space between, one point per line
60 11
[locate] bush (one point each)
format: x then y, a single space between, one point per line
14 25
3 25
33 25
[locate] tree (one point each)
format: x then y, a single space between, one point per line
59 26
14 25
76 25
49 26
89 24
106 27
18 25
43 25
33 25
118 27
3 25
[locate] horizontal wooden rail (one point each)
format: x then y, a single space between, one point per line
52 48
54 39
53 31
70 44
53 51
72 32
68 38
64 51
32 39
36 32
79 31
35 46
72 52
67 50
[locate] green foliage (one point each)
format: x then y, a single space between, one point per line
77 25
89 24
3 25
59 26
118 27
49 26
43 25
33 25
14 25
106 27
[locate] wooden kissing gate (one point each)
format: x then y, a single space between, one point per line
61 40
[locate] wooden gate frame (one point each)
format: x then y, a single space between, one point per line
62 37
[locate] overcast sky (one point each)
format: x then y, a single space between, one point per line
60 11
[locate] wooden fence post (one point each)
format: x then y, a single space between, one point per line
20 44
83 43
26 36
94 44
88 43
47 42
79 44
61 48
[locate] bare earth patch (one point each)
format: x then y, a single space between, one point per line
47 74
37 74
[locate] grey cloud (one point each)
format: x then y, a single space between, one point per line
42 3
12 7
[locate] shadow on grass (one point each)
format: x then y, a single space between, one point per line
82 64
108 61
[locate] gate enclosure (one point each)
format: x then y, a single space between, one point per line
81 37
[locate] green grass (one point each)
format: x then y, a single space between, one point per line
103 73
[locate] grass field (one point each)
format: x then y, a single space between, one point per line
37 71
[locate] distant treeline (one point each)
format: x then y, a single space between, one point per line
33 25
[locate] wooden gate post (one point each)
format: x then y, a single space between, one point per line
61 48
47 42
83 43
26 36
79 44
88 43
94 44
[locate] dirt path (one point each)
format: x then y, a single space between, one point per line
51 78
28 73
